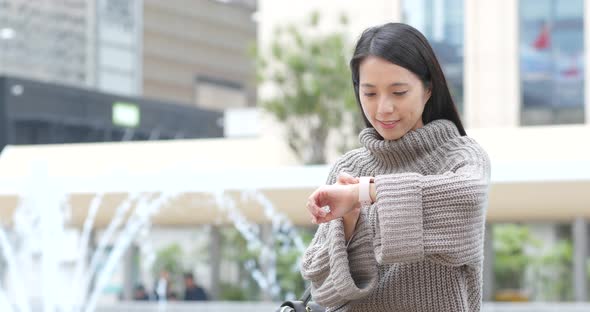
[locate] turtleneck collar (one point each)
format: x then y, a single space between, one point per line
412 145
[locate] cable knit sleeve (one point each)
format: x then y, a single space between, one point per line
340 273
436 217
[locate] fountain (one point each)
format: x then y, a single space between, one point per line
39 230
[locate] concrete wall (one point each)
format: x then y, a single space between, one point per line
186 40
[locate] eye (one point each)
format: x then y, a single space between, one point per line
400 93
370 94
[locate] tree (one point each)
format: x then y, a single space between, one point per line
169 259
524 263
552 272
235 249
511 259
308 72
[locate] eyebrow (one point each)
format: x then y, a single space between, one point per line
395 84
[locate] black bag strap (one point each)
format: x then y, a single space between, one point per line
306 295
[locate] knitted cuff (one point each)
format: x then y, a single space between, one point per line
399 218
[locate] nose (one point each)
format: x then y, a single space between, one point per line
385 106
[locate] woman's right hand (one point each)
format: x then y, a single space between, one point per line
349 218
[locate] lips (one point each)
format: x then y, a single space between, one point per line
388 124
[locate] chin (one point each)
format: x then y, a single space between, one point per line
389 135
392 138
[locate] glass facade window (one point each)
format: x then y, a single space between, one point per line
441 21
551 61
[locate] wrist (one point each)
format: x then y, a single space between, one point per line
355 194
354 210
365 190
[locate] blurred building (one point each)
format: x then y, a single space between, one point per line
33 112
179 53
48 40
189 52
509 63
196 52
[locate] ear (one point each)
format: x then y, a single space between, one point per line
427 94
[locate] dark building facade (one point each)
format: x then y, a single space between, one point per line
33 112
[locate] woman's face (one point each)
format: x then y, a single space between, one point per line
392 97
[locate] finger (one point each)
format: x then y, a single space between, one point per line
346 178
320 202
313 207
329 217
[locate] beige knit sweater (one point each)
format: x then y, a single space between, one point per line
419 247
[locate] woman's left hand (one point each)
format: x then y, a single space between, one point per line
340 198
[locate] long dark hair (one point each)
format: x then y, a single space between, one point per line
405 46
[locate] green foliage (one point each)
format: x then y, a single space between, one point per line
518 252
288 273
231 292
168 259
235 249
510 241
287 268
309 73
552 273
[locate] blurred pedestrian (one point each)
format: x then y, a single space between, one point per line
193 292
139 293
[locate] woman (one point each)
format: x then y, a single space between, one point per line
401 218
